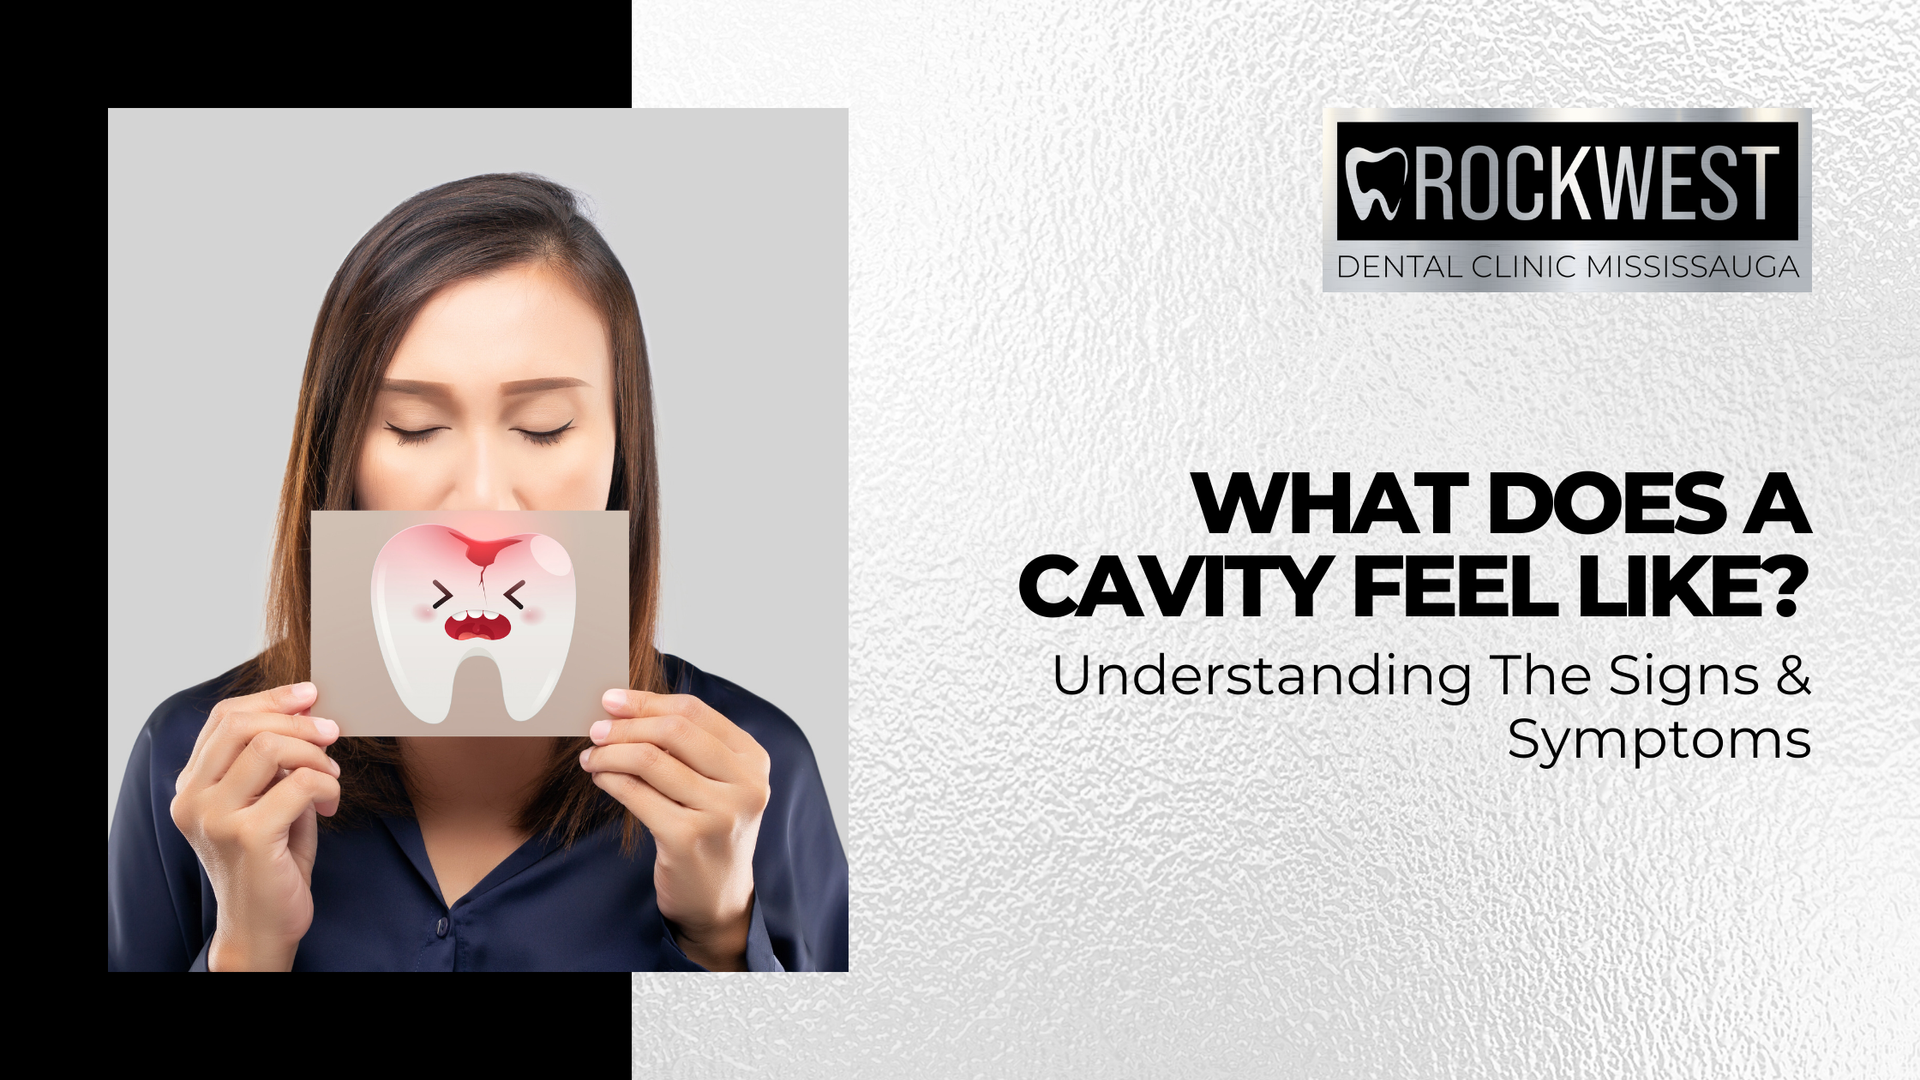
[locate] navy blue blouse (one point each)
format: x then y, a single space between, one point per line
377 906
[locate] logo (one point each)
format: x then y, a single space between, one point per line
1590 199
1365 200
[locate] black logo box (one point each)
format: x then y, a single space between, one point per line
1649 166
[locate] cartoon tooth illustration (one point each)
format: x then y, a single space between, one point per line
441 597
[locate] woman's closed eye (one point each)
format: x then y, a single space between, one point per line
546 438
408 438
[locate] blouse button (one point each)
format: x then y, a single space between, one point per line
440 928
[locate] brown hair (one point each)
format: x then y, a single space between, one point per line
446 234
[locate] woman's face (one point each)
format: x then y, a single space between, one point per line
500 397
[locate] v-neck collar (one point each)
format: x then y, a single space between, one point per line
406 833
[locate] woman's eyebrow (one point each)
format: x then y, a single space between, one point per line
415 386
534 386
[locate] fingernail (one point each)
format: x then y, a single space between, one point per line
327 728
334 765
600 730
614 699
583 756
301 691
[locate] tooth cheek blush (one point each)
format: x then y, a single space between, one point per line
441 597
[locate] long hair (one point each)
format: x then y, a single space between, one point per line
456 231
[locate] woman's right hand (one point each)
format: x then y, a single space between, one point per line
247 802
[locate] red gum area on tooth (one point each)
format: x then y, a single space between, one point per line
489 627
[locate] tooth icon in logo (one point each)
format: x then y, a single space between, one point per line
1364 200
440 597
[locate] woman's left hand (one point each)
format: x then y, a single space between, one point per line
699 784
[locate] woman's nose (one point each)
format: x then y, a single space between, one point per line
483 484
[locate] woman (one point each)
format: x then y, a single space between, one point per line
480 348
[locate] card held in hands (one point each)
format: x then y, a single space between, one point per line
485 622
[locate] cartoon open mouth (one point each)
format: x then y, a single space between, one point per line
462 625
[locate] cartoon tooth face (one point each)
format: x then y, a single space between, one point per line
440 597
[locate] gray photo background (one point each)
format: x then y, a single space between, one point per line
224 230
1086 259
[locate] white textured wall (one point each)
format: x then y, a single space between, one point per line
1085 249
